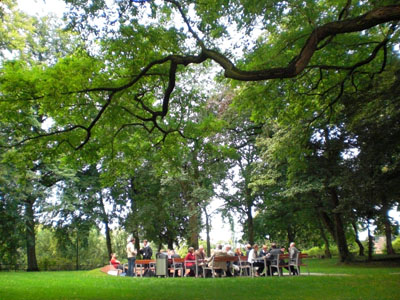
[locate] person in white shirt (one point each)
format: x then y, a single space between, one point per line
131 253
252 259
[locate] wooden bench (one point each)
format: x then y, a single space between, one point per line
140 265
218 259
289 263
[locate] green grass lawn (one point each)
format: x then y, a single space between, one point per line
360 281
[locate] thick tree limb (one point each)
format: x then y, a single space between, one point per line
373 18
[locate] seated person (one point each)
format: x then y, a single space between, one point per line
293 252
116 263
171 255
201 258
219 266
253 259
264 251
274 252
236 268
190 262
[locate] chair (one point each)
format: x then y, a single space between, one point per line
177 265
277 264
187 268
209 266
294 263
244 266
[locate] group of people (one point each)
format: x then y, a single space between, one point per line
270 255
255 258
131 253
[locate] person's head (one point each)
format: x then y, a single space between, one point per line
273 245
255 247
191 249
172 251
248 246
219 247
228 248
283 249
264 247
238 251
113 255
292 244
201 248
133 240
145 242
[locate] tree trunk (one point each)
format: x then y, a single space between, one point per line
388 228
207 232
327 221
106 225
291 234
340 233
108 239
193 224
370 243
328 253
360 245
77 251
170 242
30 235
250 226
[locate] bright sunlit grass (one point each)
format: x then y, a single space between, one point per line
360 281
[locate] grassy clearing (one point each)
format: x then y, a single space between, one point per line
377 281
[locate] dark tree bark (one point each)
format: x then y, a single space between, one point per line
328 253
327 221
207 231
291 234
170 243
106 225
388 227
30 235
370 242
77 251
250 225
193 226
340 232
357 240
108 238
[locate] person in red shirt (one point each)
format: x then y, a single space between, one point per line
190 262
116 263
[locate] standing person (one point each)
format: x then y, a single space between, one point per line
131 253
146 251
293 251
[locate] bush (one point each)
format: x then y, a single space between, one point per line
396 245
320 252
